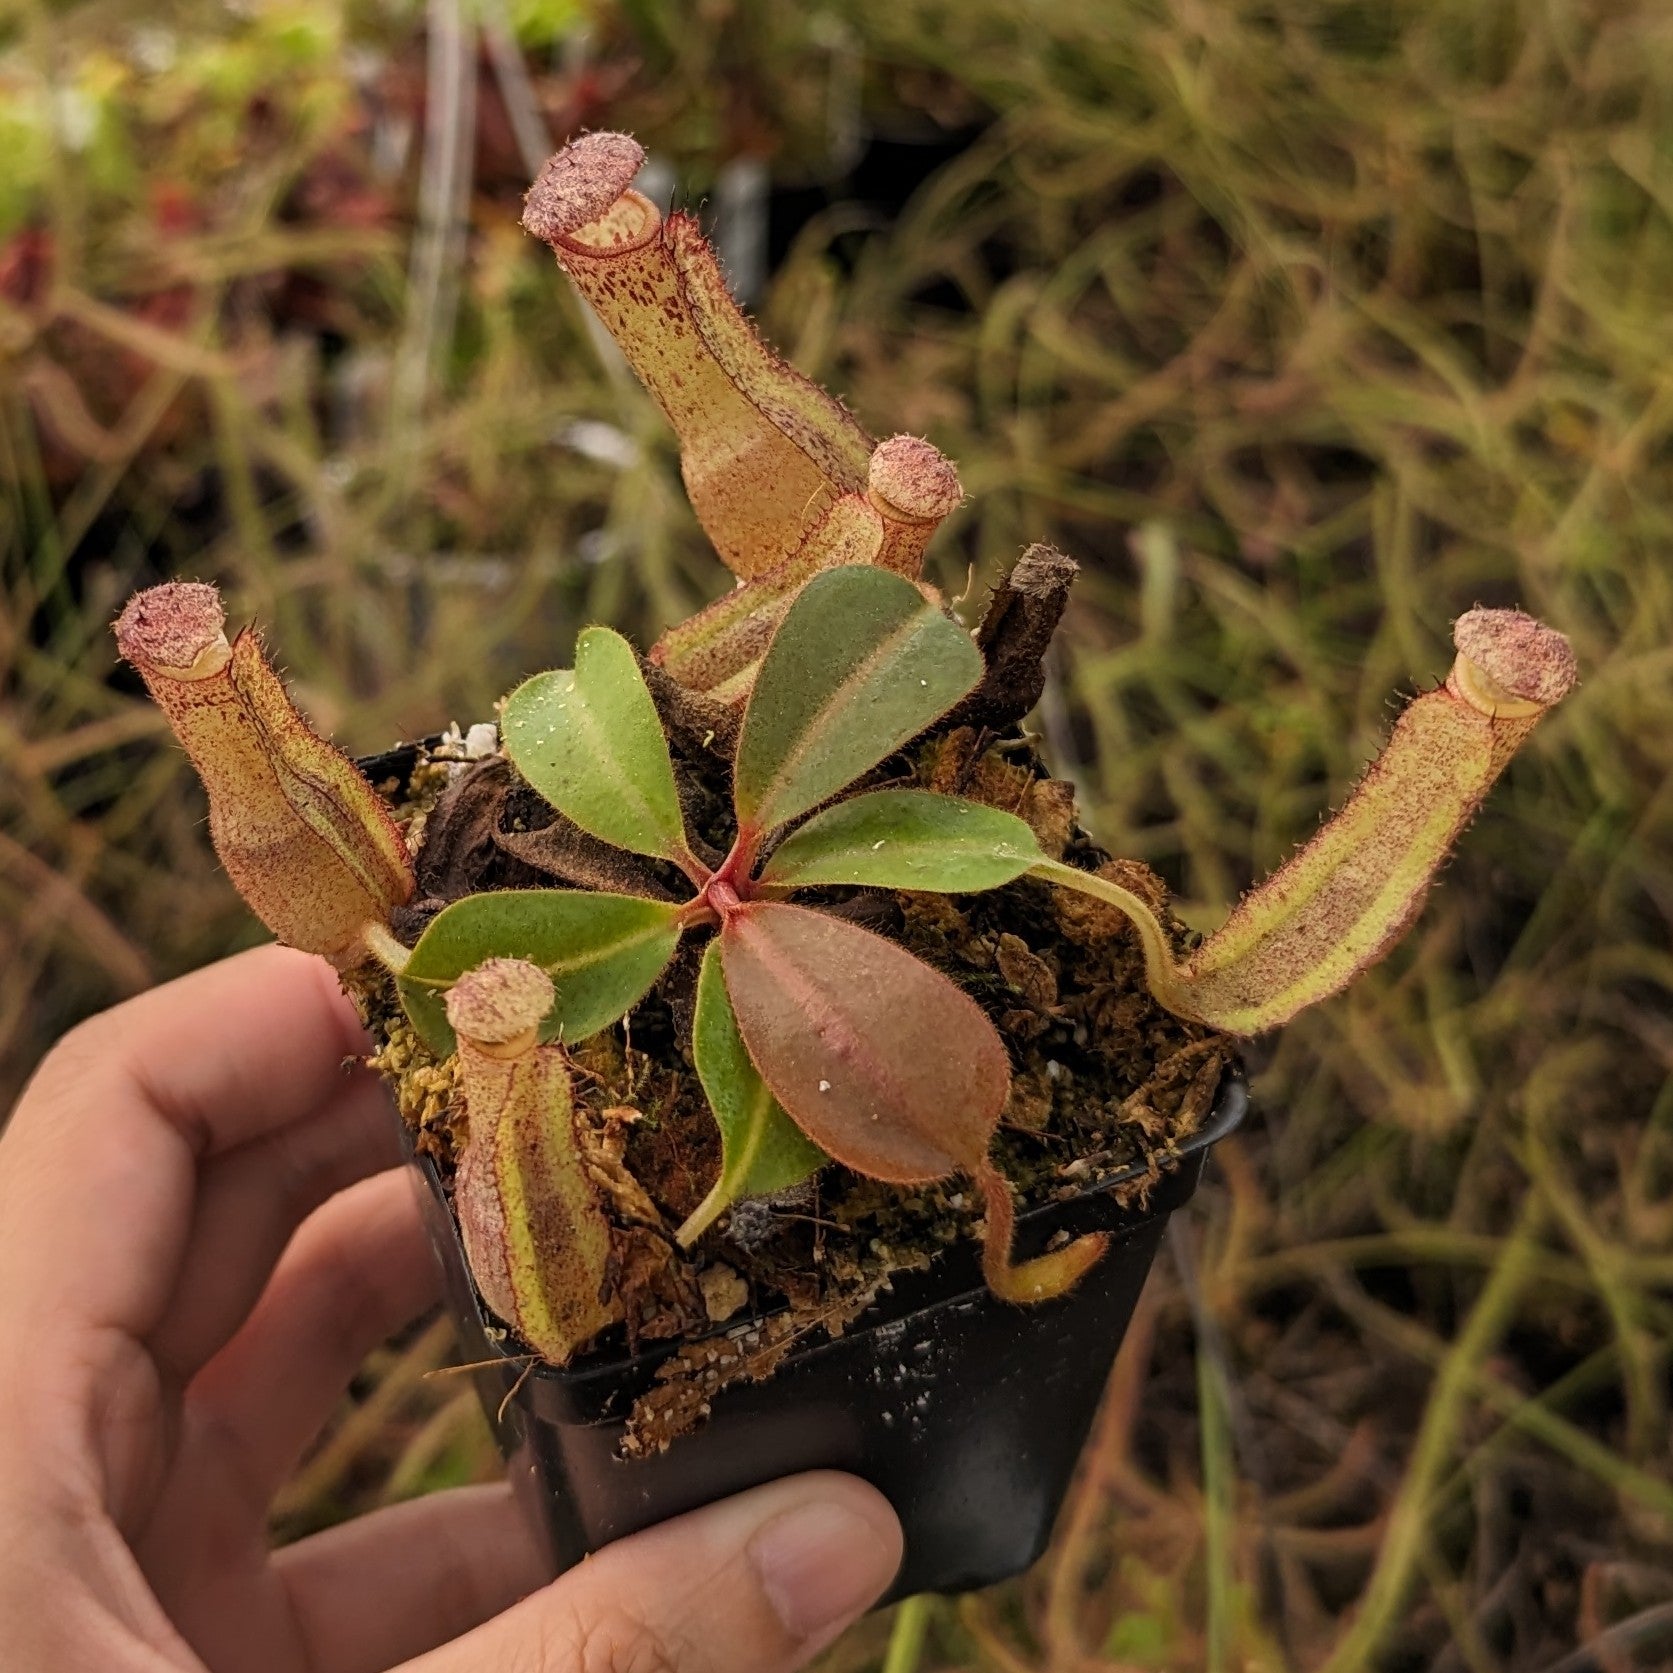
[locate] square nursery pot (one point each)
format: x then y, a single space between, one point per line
968 1413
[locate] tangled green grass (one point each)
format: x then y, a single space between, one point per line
1305 324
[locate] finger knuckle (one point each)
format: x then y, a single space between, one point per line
295 1173
614 1641
84 1047
353 1300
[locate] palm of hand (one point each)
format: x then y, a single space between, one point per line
176 1370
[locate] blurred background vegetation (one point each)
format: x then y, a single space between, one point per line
1303 324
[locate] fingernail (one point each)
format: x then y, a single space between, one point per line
821 1564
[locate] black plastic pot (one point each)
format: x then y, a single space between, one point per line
966 1412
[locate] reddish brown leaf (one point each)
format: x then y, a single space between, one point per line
879 1059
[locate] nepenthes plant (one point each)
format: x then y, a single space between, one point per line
711 827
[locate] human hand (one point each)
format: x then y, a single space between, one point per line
201 1236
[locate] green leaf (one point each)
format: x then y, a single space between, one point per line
907 839
762 1149
601 951
591 742
861 663
883 1062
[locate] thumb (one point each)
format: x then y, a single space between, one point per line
755 1584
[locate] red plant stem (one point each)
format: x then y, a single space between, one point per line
697 912
726 888
738 865
696 872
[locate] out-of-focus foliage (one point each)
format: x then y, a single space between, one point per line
1304 324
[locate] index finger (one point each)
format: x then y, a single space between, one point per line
99 1162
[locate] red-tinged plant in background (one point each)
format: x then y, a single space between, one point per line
814 1038
176 282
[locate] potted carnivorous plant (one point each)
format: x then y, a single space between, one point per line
794 1081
